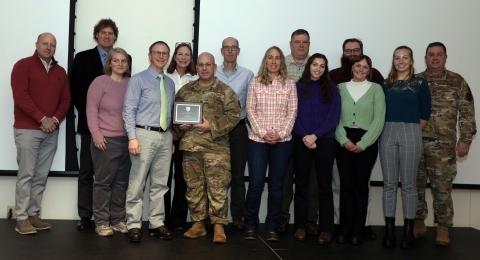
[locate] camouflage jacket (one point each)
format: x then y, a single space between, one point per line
221 107
451 97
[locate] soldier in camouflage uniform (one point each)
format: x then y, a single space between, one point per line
206 157
451 96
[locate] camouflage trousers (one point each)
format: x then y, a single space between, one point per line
207 176
439 164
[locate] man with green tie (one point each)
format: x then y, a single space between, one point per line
147 114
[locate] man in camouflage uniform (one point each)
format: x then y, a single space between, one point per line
451 96
206 157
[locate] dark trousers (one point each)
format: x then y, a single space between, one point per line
276 157
179 206
238 153
112 168
303 158
355 170
85 178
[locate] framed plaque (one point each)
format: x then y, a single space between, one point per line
187 113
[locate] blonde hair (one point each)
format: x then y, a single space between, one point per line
392 76
108 70
263 71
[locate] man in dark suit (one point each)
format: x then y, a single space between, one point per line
88 65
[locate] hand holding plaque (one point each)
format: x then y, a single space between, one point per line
187 112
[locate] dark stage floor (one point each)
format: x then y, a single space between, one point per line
64 241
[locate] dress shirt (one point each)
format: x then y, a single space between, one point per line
102 52
272 106
293 69
238 81
180 81
143 102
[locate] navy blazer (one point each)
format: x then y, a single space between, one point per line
87 65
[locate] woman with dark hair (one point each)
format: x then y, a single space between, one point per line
271 111
408 110
181 70
111 160
361 122
314 142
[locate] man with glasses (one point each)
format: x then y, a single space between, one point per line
238 78
147 114
88 65
206 151
296 60
352 48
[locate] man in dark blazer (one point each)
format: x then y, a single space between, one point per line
88 65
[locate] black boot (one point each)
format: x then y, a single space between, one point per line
408 239
389 238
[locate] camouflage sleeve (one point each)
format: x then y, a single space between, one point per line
466 111
222 125
178 97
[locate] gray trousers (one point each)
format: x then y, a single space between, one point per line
112 168
35 153
400 150
153 161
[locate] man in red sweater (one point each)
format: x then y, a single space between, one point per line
41 96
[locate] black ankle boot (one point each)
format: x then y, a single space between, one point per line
408 239
389 238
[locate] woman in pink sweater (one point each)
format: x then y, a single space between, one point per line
109 146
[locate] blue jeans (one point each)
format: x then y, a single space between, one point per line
261 155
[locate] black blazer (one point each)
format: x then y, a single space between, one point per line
87 65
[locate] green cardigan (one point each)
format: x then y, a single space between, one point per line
368 113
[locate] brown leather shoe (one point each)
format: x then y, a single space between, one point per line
419 228
219 234
324 238
134 235
161 232
443 238
197 230
300 234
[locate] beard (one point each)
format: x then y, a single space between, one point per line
346 66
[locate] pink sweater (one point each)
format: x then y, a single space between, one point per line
104 107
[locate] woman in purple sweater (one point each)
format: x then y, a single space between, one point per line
314 142
109 146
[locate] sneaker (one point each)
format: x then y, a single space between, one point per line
238 223
24 227
250 235
282 226
312 228
272 236
104 230
38 223
120 227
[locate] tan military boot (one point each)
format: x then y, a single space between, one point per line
197 230
443 238
219 234
419 228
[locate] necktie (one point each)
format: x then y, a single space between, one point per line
164 104
104 58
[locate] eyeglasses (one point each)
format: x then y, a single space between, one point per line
207 65
230 48
160 53
182 43
349 51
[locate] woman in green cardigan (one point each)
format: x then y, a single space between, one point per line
361 122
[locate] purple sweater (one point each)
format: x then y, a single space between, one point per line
314 116
104 107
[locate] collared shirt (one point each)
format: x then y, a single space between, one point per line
47 66
293 69
271 107
238 81
180 81
143 101
452 100
102 52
